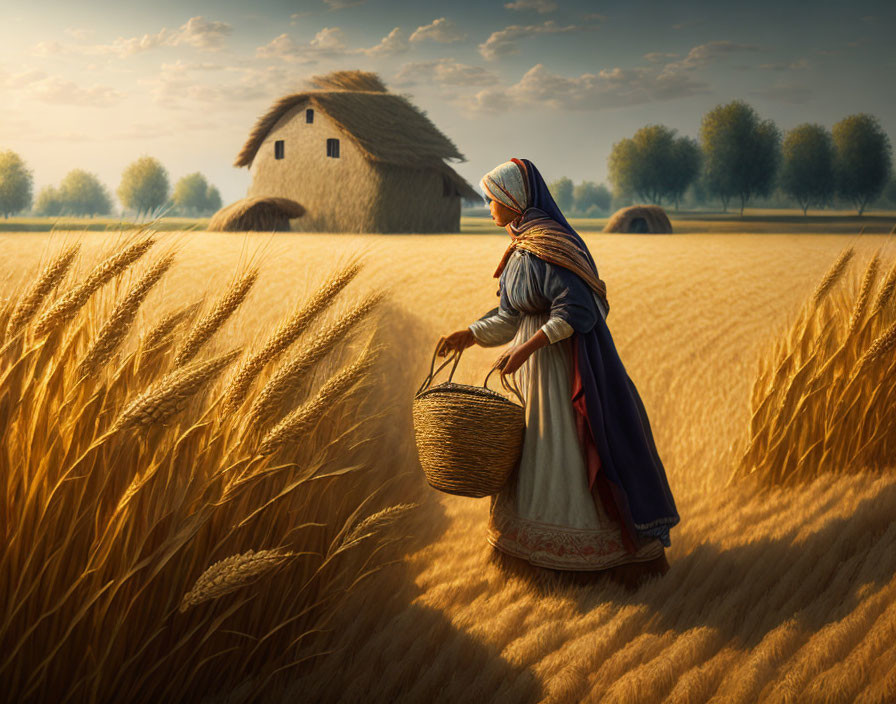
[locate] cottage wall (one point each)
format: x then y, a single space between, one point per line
414 200
339 194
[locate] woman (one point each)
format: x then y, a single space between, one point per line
590 492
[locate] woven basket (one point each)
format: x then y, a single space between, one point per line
469 438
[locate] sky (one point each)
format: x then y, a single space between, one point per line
96 84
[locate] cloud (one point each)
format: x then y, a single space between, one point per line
38 85
328 40
540 6
444 72
284 48
176 85
393 43
441 30
659 56
339 4
793 93
196 32
705 54
798 65
609 88
504 41
328 43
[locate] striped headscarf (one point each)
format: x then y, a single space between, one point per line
539 227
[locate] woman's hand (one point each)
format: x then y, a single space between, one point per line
513 358
459 340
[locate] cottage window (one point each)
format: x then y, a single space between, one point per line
278 149
333 148
309 115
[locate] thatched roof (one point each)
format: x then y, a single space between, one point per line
639 218
386 127
265 214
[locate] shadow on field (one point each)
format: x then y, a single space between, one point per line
386 648
748 590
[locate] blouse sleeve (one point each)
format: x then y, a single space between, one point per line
499 325
573 306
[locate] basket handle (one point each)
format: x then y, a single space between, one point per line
454 356
508 385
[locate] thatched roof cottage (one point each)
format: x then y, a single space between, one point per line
357 158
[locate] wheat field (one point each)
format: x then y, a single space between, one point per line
782 584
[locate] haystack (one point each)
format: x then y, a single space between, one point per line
359 158
269 214
641 219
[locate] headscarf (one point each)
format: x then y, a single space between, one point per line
539 226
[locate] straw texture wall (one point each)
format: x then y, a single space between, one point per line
390 175
339 194
639 218
267 214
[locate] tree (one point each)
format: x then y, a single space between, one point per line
15 184
654 164
48 202
889 192
561 191
81 193
862 161
214 200
741 152
194 195
685 167
807 165
590 199
144 186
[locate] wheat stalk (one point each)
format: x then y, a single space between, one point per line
377 520
304 417
65 307
31 300
886 292
116 327
231 573
864 294
163 328
208 325
286 335
287 378
171 394
833 274
883 344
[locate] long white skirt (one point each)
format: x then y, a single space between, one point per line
546 514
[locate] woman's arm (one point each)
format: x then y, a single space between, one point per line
499 325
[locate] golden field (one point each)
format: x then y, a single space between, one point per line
778 592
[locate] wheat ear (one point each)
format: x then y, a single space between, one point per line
833 274
64 308
231 573
171 394
30 301
209 324
116 327
864 294
886 292
306 416
166 325
286 334
287 378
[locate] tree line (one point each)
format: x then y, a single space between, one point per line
144 188
739 158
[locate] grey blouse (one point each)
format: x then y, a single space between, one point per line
531 286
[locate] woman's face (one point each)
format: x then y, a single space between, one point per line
501 214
